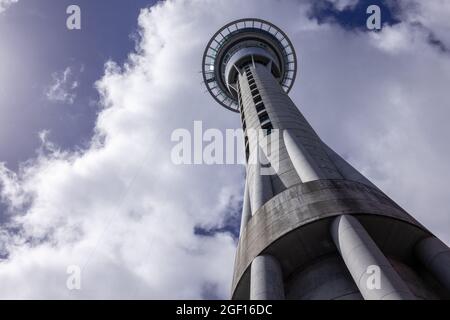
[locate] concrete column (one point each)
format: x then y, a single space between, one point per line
366 263
306 167
262 185
246 210
266 279
435 256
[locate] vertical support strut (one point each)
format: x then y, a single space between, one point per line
266 279
366 262
262 185
246 210
304 164
435 256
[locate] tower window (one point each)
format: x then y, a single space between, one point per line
260 107
263 117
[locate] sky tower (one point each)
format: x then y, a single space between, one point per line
314 228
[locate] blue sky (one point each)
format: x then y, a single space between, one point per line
353 17
104 194
35 44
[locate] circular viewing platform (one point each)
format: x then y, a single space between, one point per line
241 42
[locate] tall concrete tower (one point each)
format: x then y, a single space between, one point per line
314 228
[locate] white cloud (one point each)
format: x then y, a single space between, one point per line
63 86
126 215
5 4
431 15
394 39
344 4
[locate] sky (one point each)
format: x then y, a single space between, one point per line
36 50
86 177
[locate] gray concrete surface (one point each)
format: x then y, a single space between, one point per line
266 279
285 246
435 256
370 269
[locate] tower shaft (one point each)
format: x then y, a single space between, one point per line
312 226
297 231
